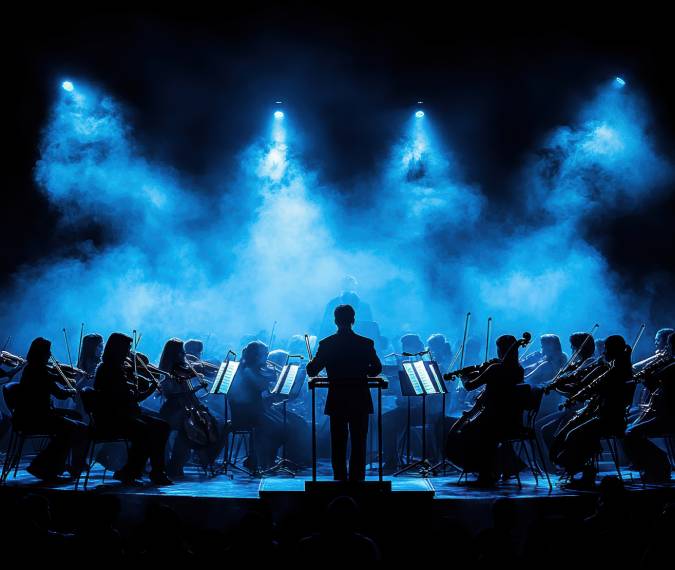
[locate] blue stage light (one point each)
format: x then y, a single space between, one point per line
619 82
278 114
419 114
68 86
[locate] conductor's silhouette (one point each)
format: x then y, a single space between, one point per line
348 359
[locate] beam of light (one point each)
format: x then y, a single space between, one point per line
274 161
68 86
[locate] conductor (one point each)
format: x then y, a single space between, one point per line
348 359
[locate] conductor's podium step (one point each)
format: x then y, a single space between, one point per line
347 487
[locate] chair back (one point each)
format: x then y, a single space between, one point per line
11 392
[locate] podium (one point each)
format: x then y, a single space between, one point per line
319 382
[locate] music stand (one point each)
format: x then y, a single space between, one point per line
288 386
419 379
221 385
437 377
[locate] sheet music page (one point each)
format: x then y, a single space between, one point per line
228 377
280 381
215 388
436 375
291 374
429 387
410 371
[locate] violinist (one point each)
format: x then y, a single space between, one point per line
643 393
35 413
192 421
473 440
542 366
118 413
608 395
90 358
581 363
656 419
251 410
194 350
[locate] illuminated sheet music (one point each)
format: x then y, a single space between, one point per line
224 378
424 377
435 372
291 373
410 371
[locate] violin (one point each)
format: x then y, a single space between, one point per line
470 371
9 359
478 369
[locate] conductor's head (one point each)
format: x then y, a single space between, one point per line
344 317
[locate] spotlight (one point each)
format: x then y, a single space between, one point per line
619 82
419 114
278 115
68 86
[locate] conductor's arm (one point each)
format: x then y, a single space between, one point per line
318 363
374 364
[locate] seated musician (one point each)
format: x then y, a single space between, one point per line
608 394
642 392
440 350
569 381
473 440
34 413
195 431
657 418
349 359
118 414
90 358
543 366
251 409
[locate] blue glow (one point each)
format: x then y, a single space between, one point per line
278 115
272 240
419 114
619 82
68 86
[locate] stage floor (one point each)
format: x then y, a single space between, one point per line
236 485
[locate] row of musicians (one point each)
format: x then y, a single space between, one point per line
122 388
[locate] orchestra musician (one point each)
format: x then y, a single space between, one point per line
472 442
608 394
581 363
89 358
643 392
118 413
542 366
252 410
35 413
192 421
657 418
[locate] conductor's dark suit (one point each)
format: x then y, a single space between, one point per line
348 359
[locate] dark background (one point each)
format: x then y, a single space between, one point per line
199 86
